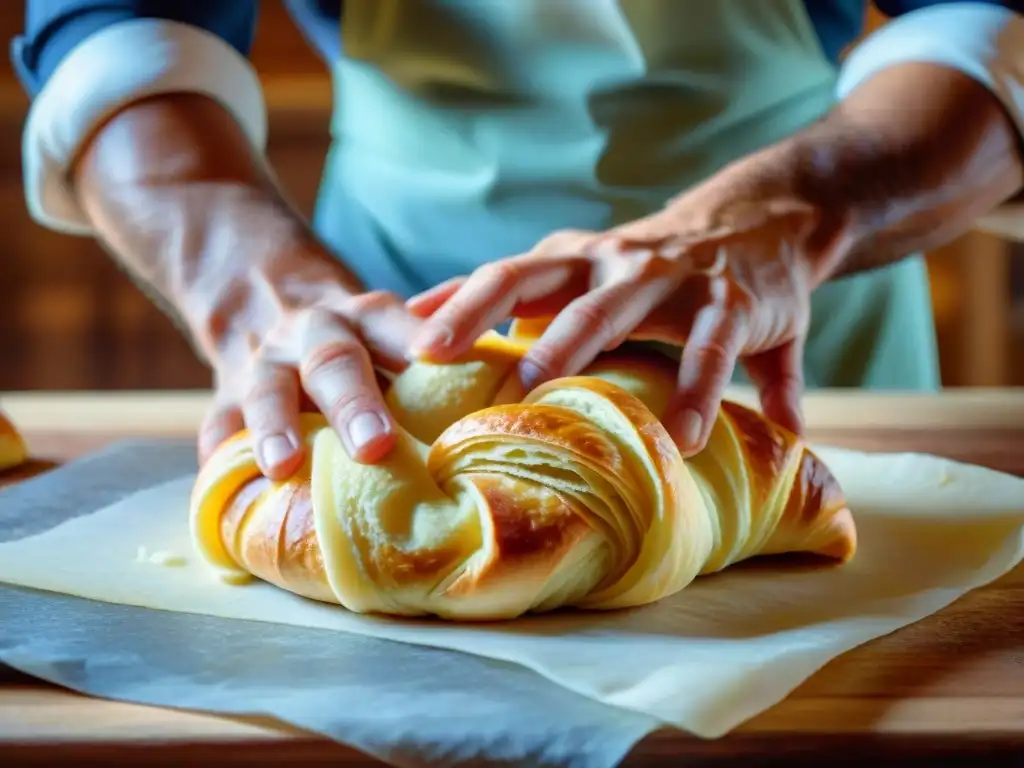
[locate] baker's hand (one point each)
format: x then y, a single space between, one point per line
728 276
285 335
173 187
284 326
306 346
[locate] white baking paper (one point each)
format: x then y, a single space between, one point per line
706 660
408 705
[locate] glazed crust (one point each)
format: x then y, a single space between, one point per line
13 451
493 504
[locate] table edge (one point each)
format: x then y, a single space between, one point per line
179 412
662 743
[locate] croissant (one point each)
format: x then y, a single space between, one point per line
493 505
12 448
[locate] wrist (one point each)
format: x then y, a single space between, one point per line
174 189
768 184
811 166
891 186
243 283
248 277
151 176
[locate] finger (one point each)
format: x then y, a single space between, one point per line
271 411
778 375
486 299
489 296
306 404
222 420
337 374
428 302
384 324
590 324
708 361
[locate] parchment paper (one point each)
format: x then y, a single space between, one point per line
705 660
405 704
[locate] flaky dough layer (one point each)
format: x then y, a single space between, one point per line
494 504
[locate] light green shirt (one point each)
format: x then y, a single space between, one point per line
467 130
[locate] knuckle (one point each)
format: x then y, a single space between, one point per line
265 390
540 364
501 274
738 299
713 353
595 318
605 249
652 264
300 326
644 272
345 405
558 243
371 301
714 362
625 245
343 353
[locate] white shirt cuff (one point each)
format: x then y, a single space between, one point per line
120 64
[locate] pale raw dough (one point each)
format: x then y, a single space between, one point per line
705 660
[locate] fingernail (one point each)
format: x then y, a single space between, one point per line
530 374
276 449
365 429
688 428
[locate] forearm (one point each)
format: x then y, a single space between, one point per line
161 145
147 130
905 163
169 184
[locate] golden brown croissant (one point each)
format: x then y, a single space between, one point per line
492 505
12 448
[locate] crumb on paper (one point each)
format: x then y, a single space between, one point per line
160 557
946 479
168 559
235 579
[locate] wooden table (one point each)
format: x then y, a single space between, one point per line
951 686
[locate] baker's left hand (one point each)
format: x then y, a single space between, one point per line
728 278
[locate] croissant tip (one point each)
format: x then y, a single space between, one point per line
842 545
13 451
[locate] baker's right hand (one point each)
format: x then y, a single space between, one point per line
304 344
173 186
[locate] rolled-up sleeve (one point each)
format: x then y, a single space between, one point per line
82 61
984 40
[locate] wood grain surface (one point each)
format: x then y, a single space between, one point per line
949 687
